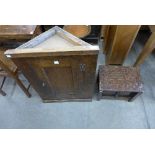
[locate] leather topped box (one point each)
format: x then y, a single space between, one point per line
119 82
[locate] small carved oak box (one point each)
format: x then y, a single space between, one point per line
119 82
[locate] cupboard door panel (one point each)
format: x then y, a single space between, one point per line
58 74
60 80
85 69
35 77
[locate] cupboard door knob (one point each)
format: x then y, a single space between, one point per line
56 62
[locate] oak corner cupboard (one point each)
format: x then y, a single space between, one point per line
59 66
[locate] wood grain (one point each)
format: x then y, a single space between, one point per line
148 48
118 42
80 31
11 70
18 32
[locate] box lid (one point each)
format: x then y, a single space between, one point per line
120 78
55 41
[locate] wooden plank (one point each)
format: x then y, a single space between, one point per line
152 28
109 38
104 35
17 29
148 48
8 62
119 42
17 32
69 39
20 53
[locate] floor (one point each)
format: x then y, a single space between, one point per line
18 111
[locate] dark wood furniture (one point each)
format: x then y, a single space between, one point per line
19 32
8 68
12 36
148 48
79 31
118 40
59 66
119 82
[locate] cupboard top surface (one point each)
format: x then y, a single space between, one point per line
55 41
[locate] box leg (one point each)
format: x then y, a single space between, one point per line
134 97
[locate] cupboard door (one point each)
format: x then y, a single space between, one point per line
58 74
33 73
85 69
61 78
